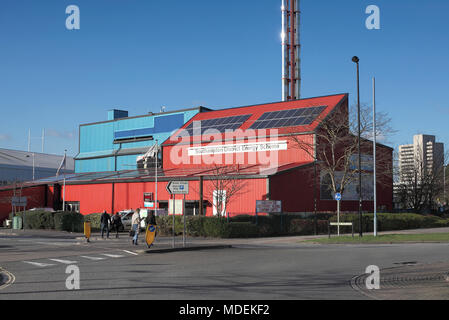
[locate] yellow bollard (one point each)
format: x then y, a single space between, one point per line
150 235
87 230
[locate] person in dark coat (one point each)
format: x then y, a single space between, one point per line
105 220
116 223
151 219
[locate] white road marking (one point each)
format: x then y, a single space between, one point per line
130 252
112 255
93 258
64 261
38 264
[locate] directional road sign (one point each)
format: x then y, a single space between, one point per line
178 187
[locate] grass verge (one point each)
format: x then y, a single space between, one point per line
387 238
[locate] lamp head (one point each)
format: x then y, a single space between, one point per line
355 59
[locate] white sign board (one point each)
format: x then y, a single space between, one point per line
268 206
178 187
237 148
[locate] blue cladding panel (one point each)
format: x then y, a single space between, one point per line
161 124
97 140
134 133
168 123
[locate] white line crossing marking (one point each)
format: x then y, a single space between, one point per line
130 252
64 261
112 255
38 264
93 258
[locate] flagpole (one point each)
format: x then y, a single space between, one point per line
374 156
63 192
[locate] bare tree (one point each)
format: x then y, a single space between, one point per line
335 148
226 184
421 185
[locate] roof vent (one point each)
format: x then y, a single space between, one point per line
115 114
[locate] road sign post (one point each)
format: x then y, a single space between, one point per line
174 188
173 226
184 214
338 199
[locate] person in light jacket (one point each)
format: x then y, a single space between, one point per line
135 222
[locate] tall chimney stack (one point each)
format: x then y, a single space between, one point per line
291 50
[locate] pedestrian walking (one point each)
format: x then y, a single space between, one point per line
105 220
116 223
151 219
135 222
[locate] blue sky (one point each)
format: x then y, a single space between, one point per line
139 55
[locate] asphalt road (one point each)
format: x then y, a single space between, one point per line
250 270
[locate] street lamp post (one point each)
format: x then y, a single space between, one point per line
356 60
155 177
315 198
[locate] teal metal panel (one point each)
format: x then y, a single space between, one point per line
127 162
95 165
97 137
97 140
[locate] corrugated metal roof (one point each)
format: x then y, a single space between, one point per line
256 112
242 171
41 160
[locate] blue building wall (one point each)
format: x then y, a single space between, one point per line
98 153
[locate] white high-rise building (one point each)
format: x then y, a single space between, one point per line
424 155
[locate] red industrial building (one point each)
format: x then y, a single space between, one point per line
254 147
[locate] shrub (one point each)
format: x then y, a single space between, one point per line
165 225
195 226
240 230
307 227
94 220
36 219
68 221
62 221
215 227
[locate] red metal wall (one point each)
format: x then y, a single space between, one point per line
177 156
296 189
95 198
35 199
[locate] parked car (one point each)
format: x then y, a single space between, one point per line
126 216
126 219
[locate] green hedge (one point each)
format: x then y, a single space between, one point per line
94 219
239 226
61 221
393 221
36 219
69 221
243 226
302 227
240 230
